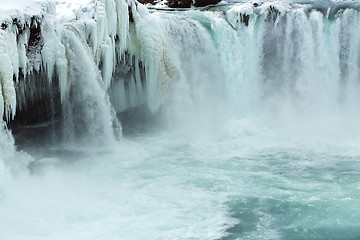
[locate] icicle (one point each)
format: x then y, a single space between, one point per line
23 39
101 24
6 75
13 53
1 101
108 61
111 16
122 10
160 71
53 54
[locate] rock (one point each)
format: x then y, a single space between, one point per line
272 14
147 1
179 3
189 3
203 3
182 3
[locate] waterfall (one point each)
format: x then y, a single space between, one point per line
232 60
292 57
234 121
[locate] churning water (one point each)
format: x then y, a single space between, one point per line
256 136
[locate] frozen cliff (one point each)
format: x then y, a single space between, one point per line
78 64
68 55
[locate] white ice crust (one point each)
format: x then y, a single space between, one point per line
104 26
112 35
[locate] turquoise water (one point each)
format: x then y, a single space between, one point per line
256 138
241 182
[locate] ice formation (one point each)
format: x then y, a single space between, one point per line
105 28
9 67
128 45
159 69
93 59
84 61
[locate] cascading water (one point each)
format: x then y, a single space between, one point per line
240 122
87 109
298 58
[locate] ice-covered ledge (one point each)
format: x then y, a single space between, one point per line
65 9
123 45
20 8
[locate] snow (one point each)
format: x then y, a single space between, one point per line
110 39
280 6
54 54
96 20
239 10
105 28
20 8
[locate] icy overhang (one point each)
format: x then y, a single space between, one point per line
10 9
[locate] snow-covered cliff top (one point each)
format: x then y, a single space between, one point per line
67 9
10 8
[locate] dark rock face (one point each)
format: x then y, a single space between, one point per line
272 14
183 3
203 3
147 1
189 3
179 3
35 38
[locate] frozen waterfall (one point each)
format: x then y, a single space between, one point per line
81 65
126 121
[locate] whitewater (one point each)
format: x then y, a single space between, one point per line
233 121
